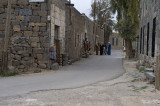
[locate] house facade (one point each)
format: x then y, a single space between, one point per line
35 26
149 38
116 41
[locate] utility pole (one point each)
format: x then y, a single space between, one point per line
7 31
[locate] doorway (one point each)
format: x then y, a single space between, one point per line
147 39
153 37
57 42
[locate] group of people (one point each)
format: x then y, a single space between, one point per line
104 49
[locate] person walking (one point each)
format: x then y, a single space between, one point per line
101 49
104 49
109 48
97 48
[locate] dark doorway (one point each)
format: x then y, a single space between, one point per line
116 41
141 41
57 42
153 37
113 41
147 39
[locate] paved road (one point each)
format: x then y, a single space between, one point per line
85 72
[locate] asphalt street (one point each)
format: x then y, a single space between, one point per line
85 72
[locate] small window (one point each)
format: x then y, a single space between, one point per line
113 41
75 41
116 41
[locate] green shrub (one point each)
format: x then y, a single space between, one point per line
141 69
9 73
148 66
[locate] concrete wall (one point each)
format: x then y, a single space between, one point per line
149 11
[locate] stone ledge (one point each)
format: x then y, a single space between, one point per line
150 76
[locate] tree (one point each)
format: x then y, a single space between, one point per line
128 21
101 13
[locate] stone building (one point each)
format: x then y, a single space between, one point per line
37 25
149 38
116 41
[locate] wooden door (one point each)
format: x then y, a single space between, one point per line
59 56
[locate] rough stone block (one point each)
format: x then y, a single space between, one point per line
36 29
35 19
17 57
35 65
150 76
44 39
25 55
35 34
23 2
35 12
37 24
27 33
17 34
24 23
149 69
2 10
22 52
42 13
26 58
43 66
44 45
43 29
15 22
55 66
34 39
15 63
39 56
16 28
44 19
17 48
11 68
36 70
21 67
2 27
34 44
21 18
43 6
38 50
27 63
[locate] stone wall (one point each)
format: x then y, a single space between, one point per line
149 11
81 28
29 41
32 32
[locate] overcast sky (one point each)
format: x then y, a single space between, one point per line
84 6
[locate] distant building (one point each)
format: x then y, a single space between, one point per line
116 41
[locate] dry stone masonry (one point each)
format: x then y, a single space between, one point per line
36 25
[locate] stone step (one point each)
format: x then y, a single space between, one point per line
55 66
150 76
149 70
